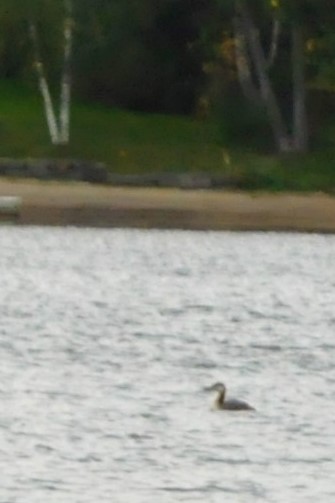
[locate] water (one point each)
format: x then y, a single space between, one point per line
107 338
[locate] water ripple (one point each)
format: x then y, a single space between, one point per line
108 338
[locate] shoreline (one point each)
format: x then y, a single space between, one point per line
85 205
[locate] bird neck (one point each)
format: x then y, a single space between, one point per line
220 399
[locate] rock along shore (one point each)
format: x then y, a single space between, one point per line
97 172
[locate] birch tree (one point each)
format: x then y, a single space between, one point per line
50 25
254 65
281 46
58 121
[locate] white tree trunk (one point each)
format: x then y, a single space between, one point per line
251 53
282 138
65 96
44 88
243 64
59 127
300 129
274 42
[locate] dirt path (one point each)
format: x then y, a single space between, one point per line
53 203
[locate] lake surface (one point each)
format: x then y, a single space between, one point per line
108 337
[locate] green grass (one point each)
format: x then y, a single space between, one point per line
130 142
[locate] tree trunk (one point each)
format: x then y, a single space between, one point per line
59 127
274 43
65 97
44 87
300 129
244 65
277 123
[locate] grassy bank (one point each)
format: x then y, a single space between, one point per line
140 143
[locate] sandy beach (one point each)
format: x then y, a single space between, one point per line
83 204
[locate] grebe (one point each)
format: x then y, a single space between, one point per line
221 403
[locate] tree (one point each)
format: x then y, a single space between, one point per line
59 126
275 44
47 21
254 69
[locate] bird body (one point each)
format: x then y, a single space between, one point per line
221 403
